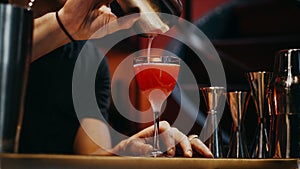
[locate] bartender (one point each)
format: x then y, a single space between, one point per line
50 123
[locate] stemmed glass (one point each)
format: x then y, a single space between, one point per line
156 77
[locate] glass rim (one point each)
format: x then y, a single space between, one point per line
213 88
145 56
156 59
259 72
237 91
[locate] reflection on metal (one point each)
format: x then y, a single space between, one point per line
258 84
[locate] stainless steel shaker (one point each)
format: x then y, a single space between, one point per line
16 24
155 15
286 95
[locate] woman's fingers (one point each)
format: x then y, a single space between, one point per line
107 23
169 136
138 147
96 23
134 147
183 142
200 147
190 144
168 142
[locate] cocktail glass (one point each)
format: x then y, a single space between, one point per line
156 77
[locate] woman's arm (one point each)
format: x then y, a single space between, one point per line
81 19
80 24
93 137
47 36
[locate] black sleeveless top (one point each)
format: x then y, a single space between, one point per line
50 122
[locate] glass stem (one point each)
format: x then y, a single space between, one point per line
156 132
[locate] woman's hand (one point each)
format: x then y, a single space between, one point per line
82 18
140 144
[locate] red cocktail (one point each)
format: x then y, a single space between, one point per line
156 77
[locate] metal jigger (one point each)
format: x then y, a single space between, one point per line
215 99
258 84
238 102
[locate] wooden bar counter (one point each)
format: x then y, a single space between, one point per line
41 161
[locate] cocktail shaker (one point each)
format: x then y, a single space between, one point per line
154 14
286 95
16 24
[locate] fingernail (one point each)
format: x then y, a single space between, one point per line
171 152
189 153
210 154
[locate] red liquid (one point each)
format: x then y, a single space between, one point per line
151 76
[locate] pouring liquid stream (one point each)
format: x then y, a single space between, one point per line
150 40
